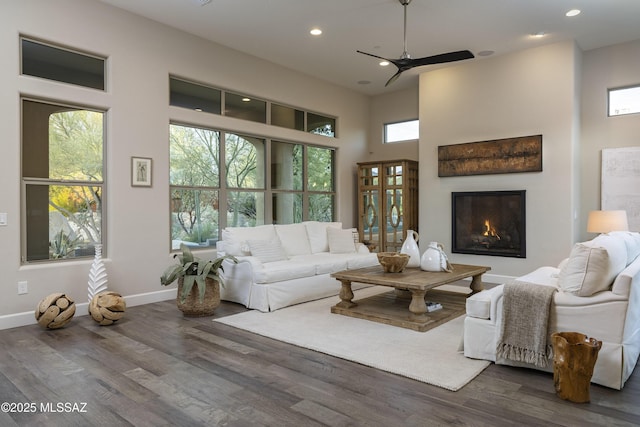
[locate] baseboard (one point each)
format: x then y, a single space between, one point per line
28 318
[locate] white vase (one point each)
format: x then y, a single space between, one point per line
410 247
97 275
434 258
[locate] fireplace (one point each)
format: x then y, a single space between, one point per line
489 223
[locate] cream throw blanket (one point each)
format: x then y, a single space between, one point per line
525 319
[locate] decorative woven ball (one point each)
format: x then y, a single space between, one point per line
107 307
55 311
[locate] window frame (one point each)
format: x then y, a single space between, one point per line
268 192
635 88
39 181
385 128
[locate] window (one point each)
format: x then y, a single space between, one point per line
320 183
194 175
402 131
62 65
208 195
62 180
195 97
290 197
624 101
245 107
245 173
287 117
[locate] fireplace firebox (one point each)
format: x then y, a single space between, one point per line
489 223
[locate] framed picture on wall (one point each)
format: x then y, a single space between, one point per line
141 172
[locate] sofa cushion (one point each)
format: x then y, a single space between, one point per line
324 262
294 238
235 238
632 242
317 234
362 260
279 271
341 241
267 250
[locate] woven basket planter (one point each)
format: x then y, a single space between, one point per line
192 306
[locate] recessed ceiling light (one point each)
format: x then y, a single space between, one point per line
315 32
538 35
246 99
573 12
364 82
486 53
384 63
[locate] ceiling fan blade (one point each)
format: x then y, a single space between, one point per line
375 56
442 58
393 78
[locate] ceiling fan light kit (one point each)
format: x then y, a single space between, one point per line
405 62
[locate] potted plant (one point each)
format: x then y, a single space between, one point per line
198 282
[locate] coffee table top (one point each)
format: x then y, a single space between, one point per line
410 278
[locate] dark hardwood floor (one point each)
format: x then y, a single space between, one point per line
158 368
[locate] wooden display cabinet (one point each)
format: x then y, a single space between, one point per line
387 203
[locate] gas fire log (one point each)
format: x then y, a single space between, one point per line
574 357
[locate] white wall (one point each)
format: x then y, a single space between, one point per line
141 55
526 93
605 68
388 108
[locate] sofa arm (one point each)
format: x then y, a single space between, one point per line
237 279
484 305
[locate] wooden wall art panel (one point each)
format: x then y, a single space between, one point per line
508 155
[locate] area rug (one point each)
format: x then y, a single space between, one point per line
433 357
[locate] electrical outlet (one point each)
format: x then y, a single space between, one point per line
23 288
3 218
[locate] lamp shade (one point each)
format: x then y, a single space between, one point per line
606 221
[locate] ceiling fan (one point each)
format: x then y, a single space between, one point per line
405 62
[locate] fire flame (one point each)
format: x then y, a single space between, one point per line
490 231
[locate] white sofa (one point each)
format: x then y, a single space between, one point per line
282 265
598 295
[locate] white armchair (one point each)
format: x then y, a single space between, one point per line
611 315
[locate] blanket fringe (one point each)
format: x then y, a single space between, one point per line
519 354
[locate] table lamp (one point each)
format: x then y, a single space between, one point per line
606 221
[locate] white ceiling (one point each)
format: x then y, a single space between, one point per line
278 30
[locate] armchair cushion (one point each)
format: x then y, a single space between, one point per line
479 305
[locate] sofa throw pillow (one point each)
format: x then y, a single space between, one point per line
293 238
586 272
317 233
267 250
340 241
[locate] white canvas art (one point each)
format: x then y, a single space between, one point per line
621 182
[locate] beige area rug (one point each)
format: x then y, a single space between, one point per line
433 357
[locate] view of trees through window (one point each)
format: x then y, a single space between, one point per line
208 195
62 171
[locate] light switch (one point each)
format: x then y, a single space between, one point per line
3 218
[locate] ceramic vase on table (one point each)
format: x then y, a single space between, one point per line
434 258
410 247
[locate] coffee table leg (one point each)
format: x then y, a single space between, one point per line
418 307
346 295
476 284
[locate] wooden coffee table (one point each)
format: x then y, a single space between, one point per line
417 283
